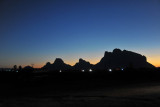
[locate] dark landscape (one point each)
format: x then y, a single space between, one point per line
127 88
84 84
79 53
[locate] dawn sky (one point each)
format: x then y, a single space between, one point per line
38 31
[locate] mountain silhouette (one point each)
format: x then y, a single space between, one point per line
122 59
57 65
82 64
115 59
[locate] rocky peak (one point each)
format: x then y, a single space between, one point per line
58 61
117 51
107 54
82 64
48 63
124 58
81 60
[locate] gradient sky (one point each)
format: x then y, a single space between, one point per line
38 31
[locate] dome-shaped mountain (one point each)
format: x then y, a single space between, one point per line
58 61
82 64
57 65
124 59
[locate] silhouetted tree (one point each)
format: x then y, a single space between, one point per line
20 68
15 67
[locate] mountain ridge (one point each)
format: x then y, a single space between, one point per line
115 59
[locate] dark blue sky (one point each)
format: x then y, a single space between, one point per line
38 31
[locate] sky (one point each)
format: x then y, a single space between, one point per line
38 31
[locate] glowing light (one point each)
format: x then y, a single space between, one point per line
122 69
60 71
82 70
90 70
110 70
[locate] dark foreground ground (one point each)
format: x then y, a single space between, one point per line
87 90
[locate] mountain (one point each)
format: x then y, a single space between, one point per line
82 64
122 59
115 59
57 65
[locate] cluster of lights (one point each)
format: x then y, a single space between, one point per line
90 70
110 70
8 70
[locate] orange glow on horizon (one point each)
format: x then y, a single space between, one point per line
153 60
70 62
